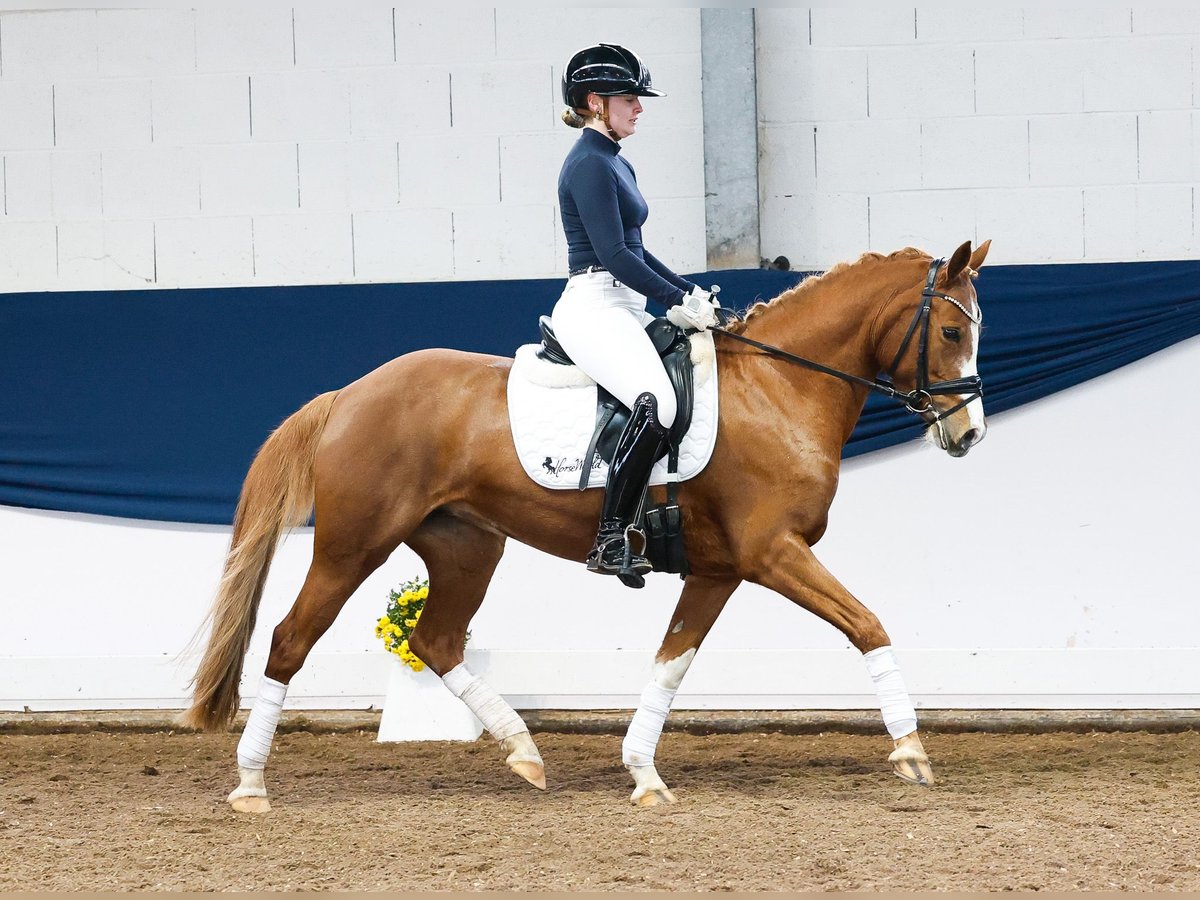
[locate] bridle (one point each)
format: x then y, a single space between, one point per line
920 399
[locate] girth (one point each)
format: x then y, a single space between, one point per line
673 348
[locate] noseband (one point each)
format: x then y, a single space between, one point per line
920 399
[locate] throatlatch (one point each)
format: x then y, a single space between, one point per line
639 446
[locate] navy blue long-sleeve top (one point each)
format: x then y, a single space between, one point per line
602 214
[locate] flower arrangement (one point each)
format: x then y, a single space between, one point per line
403 610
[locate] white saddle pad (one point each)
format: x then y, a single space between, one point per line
552 411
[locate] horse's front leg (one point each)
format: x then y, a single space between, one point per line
699 605
788 566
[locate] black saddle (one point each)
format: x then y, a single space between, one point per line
673 348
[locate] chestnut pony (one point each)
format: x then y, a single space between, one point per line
753 514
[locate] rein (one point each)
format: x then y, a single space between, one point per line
919 400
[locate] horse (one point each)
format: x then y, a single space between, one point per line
754 513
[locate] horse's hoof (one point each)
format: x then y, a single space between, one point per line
533 772
250 804
910 763
652 797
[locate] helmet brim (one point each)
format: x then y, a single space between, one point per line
636 92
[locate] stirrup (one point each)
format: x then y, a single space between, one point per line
614 554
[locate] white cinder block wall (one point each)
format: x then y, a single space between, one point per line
1065 135
330 143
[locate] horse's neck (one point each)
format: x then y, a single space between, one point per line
829 322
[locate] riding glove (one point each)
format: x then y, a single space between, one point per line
697 310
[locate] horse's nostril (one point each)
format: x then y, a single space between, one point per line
970 438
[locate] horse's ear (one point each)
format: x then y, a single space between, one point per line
958 261
980 255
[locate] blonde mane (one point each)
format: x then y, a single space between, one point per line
815 282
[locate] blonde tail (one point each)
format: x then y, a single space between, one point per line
277 494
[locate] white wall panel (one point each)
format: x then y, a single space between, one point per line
151 182
677 75
460 170
114 254
26 115
300 106
248 178
330 35
870 155
1060 21
532 32
202 109
348 175
1166 18
303 248
803 84
1029 78
398 101
243 38
787 159
1155 219
1167 146
975 152
28 193
935 221
856 27
668 162
960 25
815 230
490 97
505 240
675 234
50 44
76 182
29 258
101 114
403 245
781 29
905 83
1163 78
204 251
145 41
1032 225
530 163
1099 148
446 36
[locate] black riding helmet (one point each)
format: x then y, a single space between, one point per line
607 70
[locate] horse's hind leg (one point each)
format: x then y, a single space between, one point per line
461 558
699 605
326 589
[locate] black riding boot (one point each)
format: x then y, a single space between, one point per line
620 543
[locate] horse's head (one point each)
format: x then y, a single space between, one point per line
934 351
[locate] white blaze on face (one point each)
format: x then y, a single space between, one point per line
975 407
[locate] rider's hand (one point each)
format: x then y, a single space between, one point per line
697 311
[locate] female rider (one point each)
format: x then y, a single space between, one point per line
600 318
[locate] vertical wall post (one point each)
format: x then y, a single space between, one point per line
730 138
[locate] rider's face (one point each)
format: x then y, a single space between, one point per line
623 112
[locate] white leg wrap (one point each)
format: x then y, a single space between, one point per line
641 740
500 719
255 745
898 713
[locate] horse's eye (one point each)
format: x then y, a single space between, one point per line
951 334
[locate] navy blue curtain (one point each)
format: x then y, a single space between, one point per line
151 404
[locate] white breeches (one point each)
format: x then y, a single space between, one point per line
602 328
